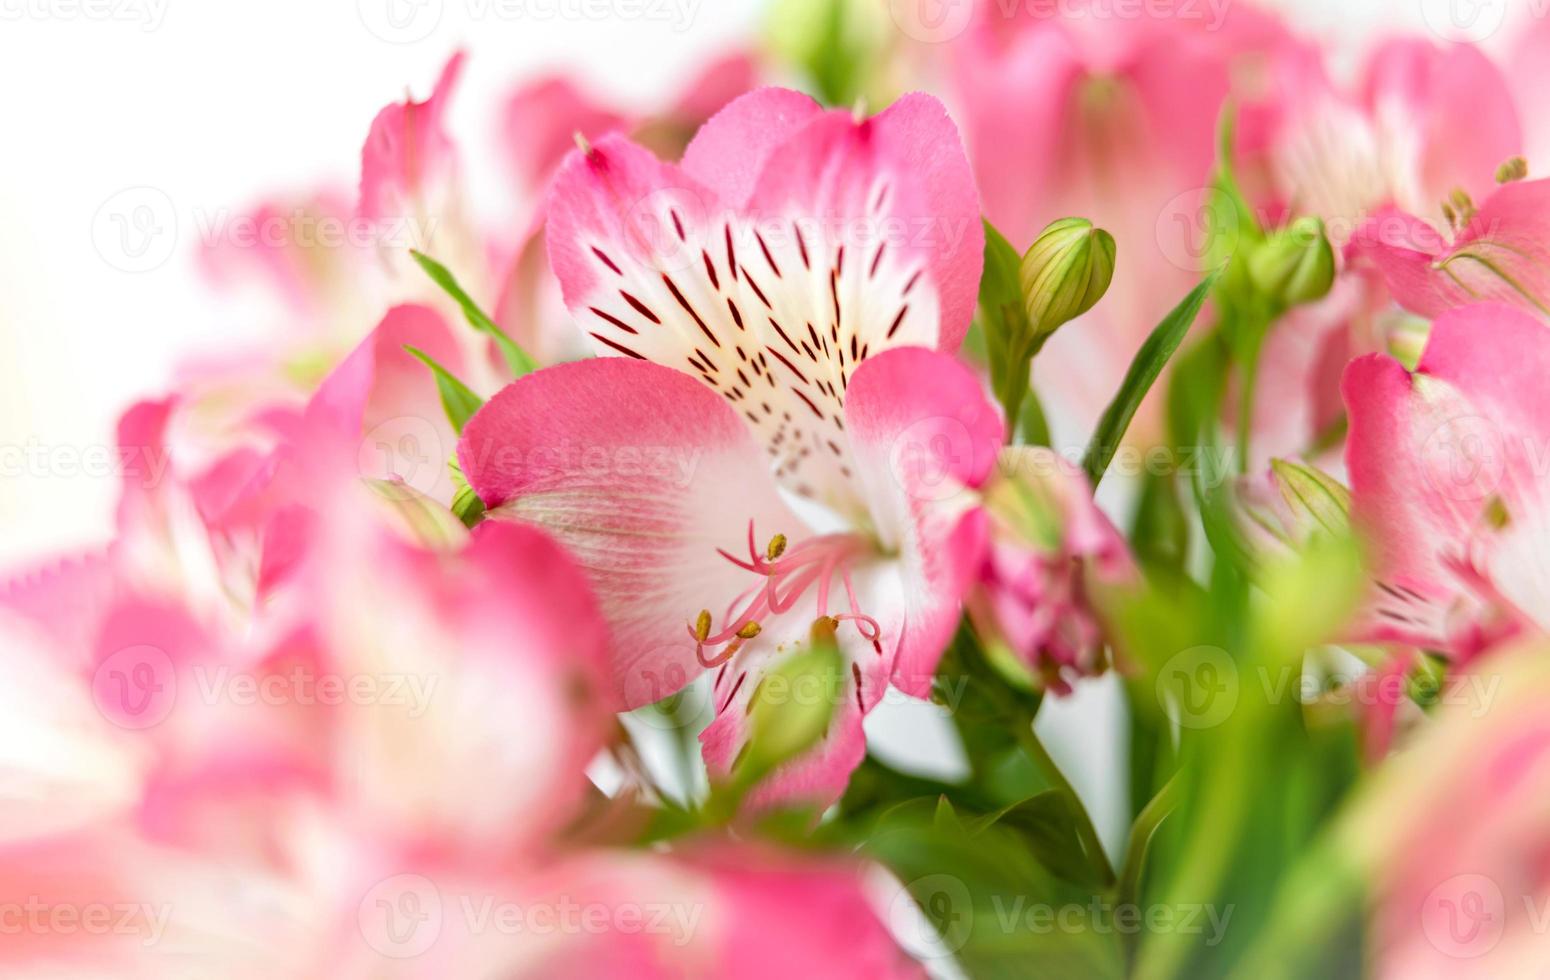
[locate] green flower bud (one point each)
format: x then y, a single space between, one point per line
790 709
1295 264
1065 273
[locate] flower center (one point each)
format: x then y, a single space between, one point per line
785 576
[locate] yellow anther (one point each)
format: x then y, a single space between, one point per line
1515 168
777 547
1462 205
702 625
750 630
582 143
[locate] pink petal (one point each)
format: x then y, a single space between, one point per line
540 120
925 436
1501 256
1436 94
1433 455
379 414
775 306
408 156
730 152
643 474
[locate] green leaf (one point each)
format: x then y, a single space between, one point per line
1047 824
994 908
517 359
457 399
1144 370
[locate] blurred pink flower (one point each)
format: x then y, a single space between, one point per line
762 279
1447 468
541 121
1453 833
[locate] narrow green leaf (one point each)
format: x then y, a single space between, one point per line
457 399
517 359
1144 370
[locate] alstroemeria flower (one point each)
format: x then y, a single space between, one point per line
1500 253
771 280
1448 479
1048 541
1423 121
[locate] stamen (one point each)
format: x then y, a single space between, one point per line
582 143
1513 169
788 573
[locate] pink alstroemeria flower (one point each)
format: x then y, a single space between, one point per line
1499 253
1422 121
771 280
1448 478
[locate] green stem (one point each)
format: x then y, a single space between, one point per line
1084 823
1141 834
1246 404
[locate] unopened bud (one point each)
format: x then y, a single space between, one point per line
1065 273
791 707
1296 264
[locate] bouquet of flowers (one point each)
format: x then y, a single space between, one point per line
1136 397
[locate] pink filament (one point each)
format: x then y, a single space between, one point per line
786 580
